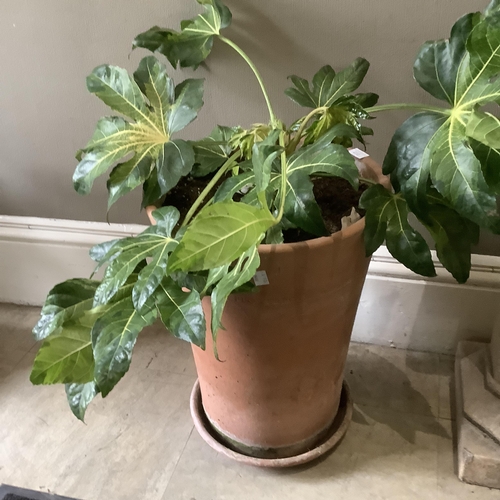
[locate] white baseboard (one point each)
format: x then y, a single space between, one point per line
397 308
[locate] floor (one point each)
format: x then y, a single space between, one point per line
139 442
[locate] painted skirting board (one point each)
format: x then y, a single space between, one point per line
397 307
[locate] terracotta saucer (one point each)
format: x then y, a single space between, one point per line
332 438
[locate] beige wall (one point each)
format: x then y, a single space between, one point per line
47 47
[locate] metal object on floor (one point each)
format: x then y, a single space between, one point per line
332 438
478 416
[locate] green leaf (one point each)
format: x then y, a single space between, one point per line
331 159
454 237
489 159
300 205
80 396
437 63
151 191
484 128
188 101
125 177
157 111
157 39
243 271
193 44
219 234
447 153
263 155
126 255
457 175
181 312
213 151
153 274
387 218
408 158
66 301
175 161
234 185
65 357
327 86
113 338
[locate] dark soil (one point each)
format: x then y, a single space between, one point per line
187 191
334 195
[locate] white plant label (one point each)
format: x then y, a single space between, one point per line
357 153
260 278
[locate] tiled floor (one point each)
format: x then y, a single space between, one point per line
139 442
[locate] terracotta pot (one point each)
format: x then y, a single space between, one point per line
276 390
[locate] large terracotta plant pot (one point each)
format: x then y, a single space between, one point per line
275 391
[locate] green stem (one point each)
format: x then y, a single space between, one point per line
284 178
401 106
298 136
364 180
231 161
256 73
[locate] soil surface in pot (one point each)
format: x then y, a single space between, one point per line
335 197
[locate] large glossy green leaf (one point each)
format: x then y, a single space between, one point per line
437 64
157 111
154 272
66 301
408 158
113 338
80 396
331 159
454 237
328 86
219 234
242 272
124 258
181 312
65 357
300 205
387 218
188 101
442 148
193 44
174 161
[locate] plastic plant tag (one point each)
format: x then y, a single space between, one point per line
357 153
260 278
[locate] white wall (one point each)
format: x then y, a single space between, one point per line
47 47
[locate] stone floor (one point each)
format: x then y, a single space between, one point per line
139 442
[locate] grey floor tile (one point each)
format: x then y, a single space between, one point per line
157 349
128 448
394 379
373 461
139 441
446 377
16 323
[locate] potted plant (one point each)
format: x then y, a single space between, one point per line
247 243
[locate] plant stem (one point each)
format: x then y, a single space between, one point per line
228 165
284 178
294 143
368 181
400 106
240 51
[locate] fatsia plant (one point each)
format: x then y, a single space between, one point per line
444 166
